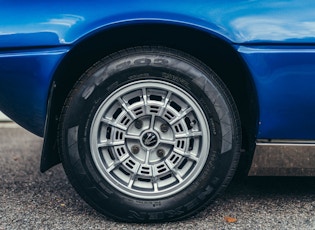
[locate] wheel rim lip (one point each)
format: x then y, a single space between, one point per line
159 85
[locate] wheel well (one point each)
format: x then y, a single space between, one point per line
216 53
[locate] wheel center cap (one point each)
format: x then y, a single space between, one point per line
149 139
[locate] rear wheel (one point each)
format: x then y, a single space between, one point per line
149 134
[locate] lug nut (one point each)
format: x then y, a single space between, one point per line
164 128
135 149
138 124
160 153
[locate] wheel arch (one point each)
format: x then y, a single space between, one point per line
213 51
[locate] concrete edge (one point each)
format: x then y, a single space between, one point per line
4 118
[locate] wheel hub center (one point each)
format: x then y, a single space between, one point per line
149 139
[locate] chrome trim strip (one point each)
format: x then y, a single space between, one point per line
279 142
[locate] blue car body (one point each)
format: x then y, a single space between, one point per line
273 39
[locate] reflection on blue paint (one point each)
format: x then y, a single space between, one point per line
285 83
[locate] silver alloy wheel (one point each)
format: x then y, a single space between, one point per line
149 139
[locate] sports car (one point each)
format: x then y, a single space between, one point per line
152 107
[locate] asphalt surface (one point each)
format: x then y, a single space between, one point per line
32 200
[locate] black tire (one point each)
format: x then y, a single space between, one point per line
199 148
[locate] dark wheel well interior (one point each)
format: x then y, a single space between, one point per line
216 53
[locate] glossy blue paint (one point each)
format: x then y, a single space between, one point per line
35 35
25 84
65 22
285 83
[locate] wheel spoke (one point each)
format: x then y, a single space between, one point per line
181 116
173 171
113 124
103 144
155 187
117 163
126 108
178 177
133 177
112 167
131 181
167 142
186 155
188 135
145 100
132 137
166 101
147 157
152 122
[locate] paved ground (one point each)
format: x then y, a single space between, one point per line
31 200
